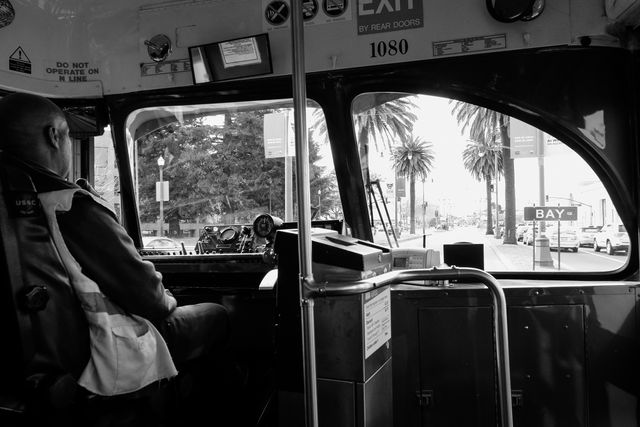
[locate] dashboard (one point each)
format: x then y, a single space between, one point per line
226 256
255 238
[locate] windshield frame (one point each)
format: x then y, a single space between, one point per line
452 78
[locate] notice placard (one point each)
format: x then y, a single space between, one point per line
377 320
239 52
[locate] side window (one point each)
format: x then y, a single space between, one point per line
452 172
106 179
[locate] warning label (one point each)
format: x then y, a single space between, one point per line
277 13
377 320
165 67
382 16
470 44
71 72
19 61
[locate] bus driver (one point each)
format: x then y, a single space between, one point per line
34 136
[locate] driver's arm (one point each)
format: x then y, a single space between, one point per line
108 256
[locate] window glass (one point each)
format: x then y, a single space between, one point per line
433 162
106 178
224 164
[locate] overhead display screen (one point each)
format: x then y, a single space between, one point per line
231 59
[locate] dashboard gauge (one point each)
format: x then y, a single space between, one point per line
263 225
266 225
228 235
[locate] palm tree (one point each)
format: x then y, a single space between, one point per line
413 159
493 127
378 117
482 167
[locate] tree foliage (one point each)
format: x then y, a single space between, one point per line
479 161
491 129
413 159
219 173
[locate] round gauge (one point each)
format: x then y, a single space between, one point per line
228 235
263 225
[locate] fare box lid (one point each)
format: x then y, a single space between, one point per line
329 247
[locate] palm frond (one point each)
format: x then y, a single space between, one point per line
414 158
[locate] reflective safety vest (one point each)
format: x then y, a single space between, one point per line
127 351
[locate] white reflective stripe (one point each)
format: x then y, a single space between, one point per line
127 351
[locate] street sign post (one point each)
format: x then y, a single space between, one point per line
550 213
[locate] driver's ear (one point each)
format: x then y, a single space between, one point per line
53 136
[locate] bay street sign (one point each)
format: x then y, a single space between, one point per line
550 213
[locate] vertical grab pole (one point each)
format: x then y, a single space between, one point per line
306 282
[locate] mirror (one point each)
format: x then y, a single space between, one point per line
513 10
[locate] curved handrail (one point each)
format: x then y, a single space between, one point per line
458 274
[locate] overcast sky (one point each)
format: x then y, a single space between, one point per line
565 171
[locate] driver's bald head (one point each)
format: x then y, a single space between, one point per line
24 119
32 128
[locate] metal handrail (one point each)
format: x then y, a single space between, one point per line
457 274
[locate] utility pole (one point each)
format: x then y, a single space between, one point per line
160 166
497 229
541 257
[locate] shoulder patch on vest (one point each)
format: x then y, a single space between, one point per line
23 204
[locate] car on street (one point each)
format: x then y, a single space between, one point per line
527 237
587 233
568 238
159 242
521 229
613 238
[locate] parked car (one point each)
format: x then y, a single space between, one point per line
587 234
612 237
527 237
568 238
521 229
159 242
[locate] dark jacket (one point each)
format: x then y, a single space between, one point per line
105 251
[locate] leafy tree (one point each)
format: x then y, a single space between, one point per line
216 174
413 159
493 127
219 174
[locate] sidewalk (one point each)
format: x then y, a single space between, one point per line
519 257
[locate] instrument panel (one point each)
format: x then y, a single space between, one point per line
221 239
255 238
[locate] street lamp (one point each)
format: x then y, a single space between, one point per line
319 197
160 166
424 211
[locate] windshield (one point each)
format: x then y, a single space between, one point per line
223 164
455 172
